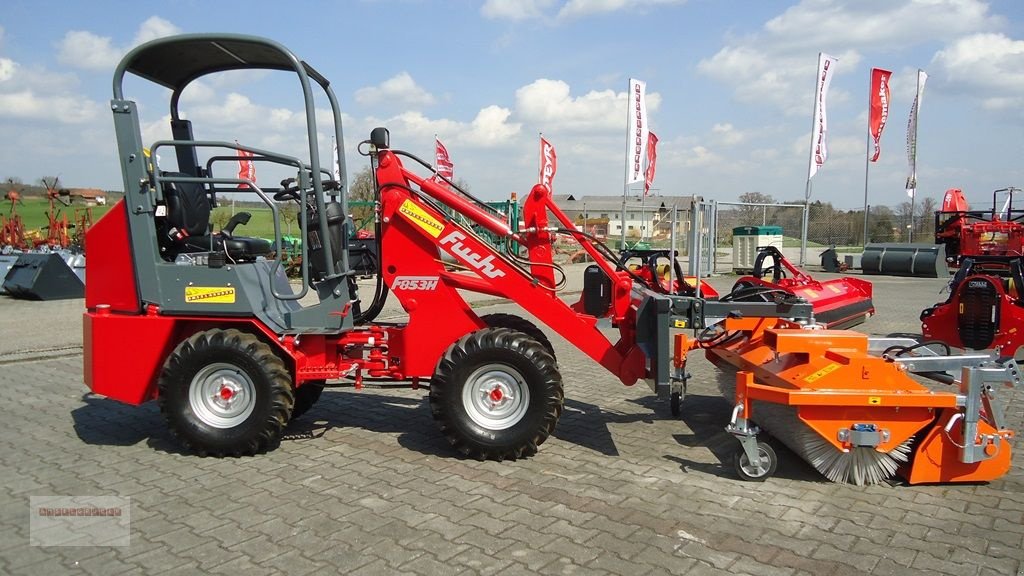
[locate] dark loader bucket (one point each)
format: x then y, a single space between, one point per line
921 260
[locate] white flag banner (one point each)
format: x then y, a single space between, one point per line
636 131
915 109
819 134
336 167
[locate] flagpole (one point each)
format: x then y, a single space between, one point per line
867 158
625 167
913 192
867 163
810 162
540 157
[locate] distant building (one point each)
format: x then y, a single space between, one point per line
89 196
645 218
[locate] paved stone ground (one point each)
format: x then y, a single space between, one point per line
365 484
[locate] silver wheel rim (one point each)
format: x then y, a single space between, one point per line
222 395
755 471
496 397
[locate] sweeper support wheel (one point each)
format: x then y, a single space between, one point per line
766 465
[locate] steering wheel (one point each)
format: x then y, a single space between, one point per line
289 191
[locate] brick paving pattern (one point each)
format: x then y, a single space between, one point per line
365 484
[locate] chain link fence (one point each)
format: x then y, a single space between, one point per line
827 226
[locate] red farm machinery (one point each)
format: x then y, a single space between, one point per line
220 339
985 307
838 302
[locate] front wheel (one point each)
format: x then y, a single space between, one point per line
225 392
496 394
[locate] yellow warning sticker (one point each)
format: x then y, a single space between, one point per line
822 373
209 295
419 217
679 323
874 399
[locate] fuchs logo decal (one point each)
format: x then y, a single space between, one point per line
414 283
484 265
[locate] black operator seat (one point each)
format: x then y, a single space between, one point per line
187 225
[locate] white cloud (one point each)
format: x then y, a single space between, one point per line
400 89
154 27
83 49
237 110
67 109
727 134
549 105
514 9
773 65
816 23
987 64
517 10
489 129
583 8
7 67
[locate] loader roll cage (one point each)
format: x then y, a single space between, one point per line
175 63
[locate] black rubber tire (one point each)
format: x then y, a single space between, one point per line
306 396
675 404
510 350
513 322
254 362
742 464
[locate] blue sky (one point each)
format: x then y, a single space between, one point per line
730 86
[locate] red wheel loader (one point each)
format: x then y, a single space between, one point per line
221 342
206 323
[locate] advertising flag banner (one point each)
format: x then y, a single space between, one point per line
246 168
335 166
912 134
878 107
819 147
636 131
548 163
652 158
443 162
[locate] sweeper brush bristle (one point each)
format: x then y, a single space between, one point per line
860 466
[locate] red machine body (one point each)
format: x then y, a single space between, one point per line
995 232
984 309
838 303
412 232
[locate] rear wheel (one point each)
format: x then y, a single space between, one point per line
513 322
225 392
496 394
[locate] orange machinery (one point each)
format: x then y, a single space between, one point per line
848 404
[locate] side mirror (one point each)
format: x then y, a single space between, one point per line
380 138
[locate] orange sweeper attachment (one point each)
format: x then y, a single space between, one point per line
855 407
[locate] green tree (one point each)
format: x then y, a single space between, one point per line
755 215
289 214
362 190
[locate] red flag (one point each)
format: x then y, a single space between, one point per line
652 158
444 164
548 163
246 168
878 110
